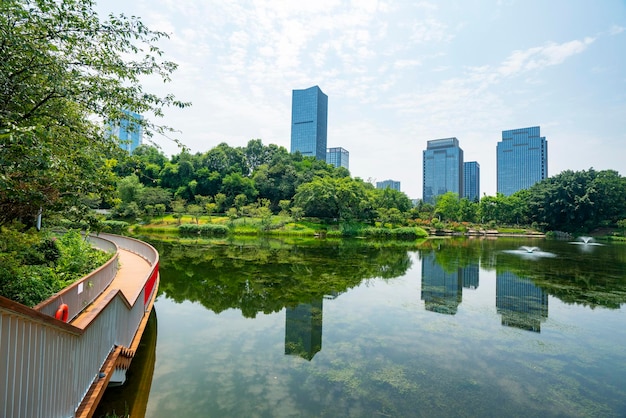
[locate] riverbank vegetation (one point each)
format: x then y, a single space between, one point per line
266 190
34 266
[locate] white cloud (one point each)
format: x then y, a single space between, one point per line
430 30
543 56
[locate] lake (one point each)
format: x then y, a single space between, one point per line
322 328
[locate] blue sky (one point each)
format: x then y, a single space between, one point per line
397 74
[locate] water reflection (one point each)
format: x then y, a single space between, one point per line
442 290
303 329
131 399
520 303
470 276
227 349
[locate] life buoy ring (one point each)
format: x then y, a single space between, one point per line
63 313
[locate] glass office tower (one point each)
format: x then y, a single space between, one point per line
471 176
338 157
128 131
392 184
522 159
443 168
309 122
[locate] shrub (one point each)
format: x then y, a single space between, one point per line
410 233
34 266
115 227
204 229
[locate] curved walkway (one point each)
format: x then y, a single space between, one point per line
129 279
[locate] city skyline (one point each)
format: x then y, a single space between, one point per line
398 74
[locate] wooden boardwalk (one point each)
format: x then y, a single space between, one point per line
130 279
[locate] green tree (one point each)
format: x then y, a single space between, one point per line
220 202
195 211
61 65
468 210
284 207
389 198
235 184
179 206
578 201
239 202
337 198
447 206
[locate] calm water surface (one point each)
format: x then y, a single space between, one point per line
349 329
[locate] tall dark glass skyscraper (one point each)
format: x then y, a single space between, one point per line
309 122
443 168
471 175
522 159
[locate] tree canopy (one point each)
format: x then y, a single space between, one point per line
64 74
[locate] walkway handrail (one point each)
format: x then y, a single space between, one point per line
47 366
148 252
84 291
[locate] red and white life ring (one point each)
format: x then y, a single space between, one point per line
63 313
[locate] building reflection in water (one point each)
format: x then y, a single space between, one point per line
470 276
441 290
521 304
303 329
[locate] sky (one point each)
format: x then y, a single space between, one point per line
398 74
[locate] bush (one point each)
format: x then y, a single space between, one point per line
397 233
34 266
410 233
115 227
373 232
204 229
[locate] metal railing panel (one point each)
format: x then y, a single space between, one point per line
82 292
141 248
46 369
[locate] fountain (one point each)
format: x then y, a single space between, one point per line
530 252
585 241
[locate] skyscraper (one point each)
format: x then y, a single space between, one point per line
522 159
309 122
392 184
443 168
338 157
471 175
128 131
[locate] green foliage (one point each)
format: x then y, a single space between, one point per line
115 227
578 201
61 66
447 206
411 233
34 266
204 229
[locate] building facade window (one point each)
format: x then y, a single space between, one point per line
471 177
309 122
442 169
338 157
522 159
391 184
